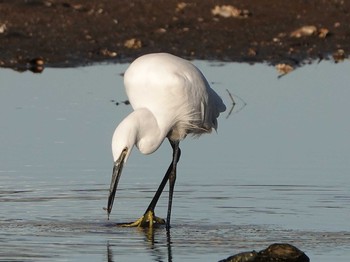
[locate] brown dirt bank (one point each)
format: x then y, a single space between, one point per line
65 33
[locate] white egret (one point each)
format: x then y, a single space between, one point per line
171 99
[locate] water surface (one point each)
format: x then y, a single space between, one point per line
276 171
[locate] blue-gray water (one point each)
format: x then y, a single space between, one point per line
278 169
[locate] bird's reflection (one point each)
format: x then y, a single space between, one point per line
109 253
153 237
243 103
157 240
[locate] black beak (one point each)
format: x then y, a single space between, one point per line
117 171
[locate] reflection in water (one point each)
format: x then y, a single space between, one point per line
109 253
153 242
91 241
242 103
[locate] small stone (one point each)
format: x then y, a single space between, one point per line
284 68
133 43
39 61
323 33
251 52
160 30
77 7
180 6
36 65
47 3
229 11
339 55
108 53
3 28
307 30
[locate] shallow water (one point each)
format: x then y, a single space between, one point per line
277 171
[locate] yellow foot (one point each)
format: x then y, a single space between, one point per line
147 220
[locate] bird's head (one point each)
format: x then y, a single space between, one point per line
123 140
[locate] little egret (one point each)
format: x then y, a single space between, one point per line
171 98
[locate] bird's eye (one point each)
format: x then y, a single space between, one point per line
125 150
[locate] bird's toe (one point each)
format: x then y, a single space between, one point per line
147 220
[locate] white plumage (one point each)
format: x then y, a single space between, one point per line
171 98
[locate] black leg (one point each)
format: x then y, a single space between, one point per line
172 177
148 219
166 177
155 199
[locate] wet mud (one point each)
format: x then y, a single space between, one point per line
64 33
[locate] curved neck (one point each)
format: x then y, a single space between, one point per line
139 128
149 135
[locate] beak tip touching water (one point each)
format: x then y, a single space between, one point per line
108 212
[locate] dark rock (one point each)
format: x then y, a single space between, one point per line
274 253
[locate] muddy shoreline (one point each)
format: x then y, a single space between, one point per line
56 33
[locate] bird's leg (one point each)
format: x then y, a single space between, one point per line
172 177
149 218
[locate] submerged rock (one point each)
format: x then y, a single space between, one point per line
274 253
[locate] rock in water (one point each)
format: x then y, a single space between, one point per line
274 253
